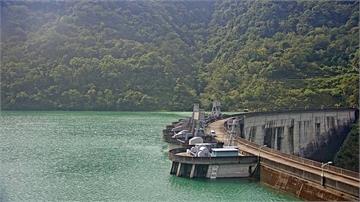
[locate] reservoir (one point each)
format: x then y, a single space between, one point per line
86 156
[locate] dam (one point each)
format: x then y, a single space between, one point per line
285 142
300 132
304 178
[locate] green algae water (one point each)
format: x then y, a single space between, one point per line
96 156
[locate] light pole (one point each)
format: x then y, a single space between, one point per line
322 171
260 151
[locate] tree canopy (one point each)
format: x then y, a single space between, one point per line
166 55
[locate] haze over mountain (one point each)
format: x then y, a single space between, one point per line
166 55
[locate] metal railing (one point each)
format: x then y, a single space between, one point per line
331 169
293 110
349 188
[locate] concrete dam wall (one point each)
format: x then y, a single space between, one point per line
301 133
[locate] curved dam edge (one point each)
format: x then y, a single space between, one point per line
300 188
291 179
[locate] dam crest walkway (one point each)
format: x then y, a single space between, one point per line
338 181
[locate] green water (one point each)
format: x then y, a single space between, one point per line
87 156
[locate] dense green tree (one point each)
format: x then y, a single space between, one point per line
166 55
348 155
283 54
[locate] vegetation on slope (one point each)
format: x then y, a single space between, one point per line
270 55
151 55
348 155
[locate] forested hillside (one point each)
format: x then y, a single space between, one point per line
348 155
166 55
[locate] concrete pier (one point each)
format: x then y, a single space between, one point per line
211 167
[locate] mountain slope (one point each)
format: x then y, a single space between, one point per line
155 55
269 55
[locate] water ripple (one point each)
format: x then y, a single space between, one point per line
92 156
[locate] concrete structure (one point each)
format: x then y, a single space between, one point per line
215 110
211 167
295 132
302 177
302 132
300 187
194 124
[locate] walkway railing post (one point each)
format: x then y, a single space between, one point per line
260 151
322 172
